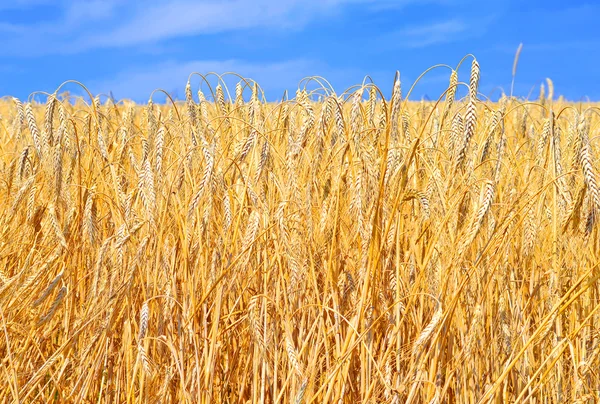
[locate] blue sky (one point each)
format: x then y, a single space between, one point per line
133 47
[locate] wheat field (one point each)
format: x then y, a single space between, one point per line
328 248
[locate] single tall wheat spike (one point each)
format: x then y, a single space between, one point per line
35 133
589 174
144 316
471 114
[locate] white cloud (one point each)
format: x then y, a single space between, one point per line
430 34
84 11
182 18
435 33
93 24
56 32
175 18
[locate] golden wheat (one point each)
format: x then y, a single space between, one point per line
352 249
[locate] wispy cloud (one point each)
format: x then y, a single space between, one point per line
431 34
83 12
91 24
435 33
185 18
427 34
176 18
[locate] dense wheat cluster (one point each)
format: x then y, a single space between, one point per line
330 248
